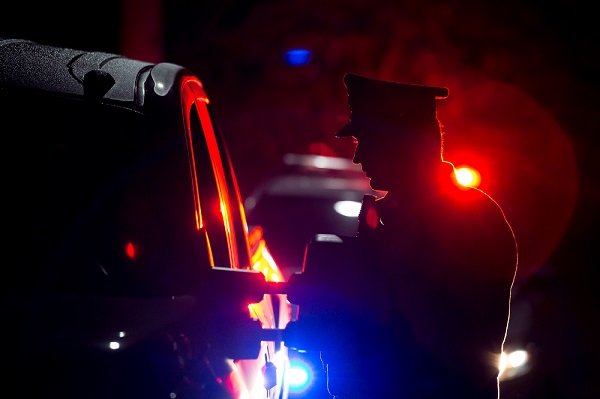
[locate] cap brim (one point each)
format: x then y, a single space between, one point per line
347 131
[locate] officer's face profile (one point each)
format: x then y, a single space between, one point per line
394 128
376 152
390 154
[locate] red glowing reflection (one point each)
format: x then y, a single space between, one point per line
525 157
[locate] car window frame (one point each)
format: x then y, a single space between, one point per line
195 100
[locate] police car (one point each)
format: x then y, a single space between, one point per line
129 271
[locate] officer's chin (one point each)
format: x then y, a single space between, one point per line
379 185
374 184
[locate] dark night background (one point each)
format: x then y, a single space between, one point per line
523 80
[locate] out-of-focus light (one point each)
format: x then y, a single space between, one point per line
257 390
280 358
513 364
130 250
467 176
350 209
503 362
234 382
299 376
114 345
261 257
517 358
320 162
297 57
253 311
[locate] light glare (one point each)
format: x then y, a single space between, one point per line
349 209
297 376
467 176
513 364
517 358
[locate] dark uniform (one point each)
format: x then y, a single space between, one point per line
444 257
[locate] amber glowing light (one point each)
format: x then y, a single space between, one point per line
261 258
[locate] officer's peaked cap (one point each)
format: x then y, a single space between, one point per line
372 98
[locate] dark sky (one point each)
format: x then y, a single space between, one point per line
523 80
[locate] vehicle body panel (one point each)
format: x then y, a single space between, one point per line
125 206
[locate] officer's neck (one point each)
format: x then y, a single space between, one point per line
420 181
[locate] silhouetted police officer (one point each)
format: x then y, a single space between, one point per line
444 256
